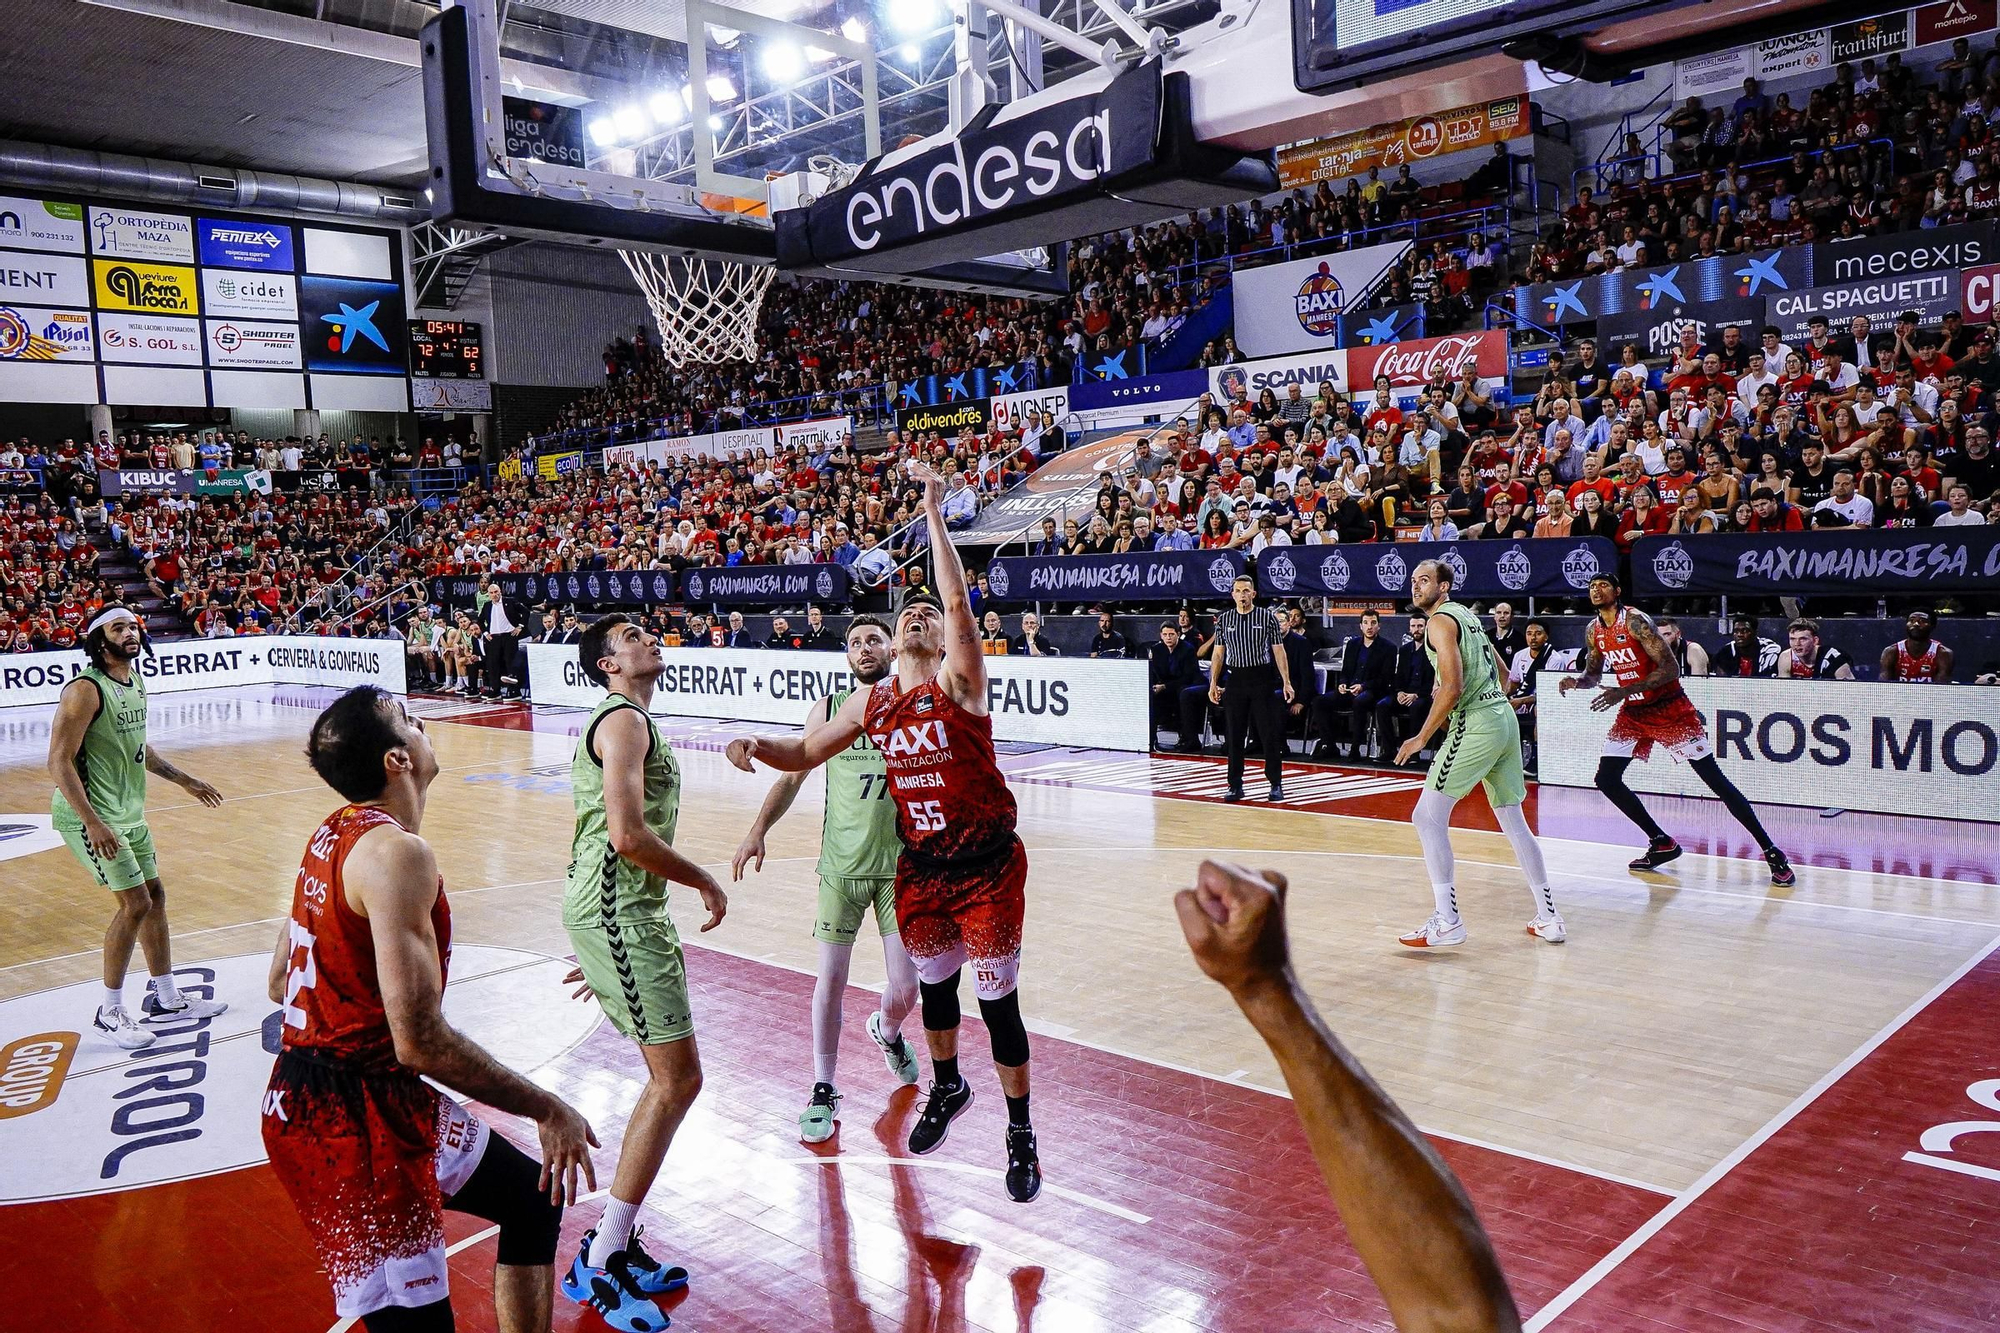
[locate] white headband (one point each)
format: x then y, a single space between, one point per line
111 617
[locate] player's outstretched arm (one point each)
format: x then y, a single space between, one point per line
776 802
624 736
797 754
964 662
1406 1213
396 876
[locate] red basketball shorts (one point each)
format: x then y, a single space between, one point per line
1672 723
953 918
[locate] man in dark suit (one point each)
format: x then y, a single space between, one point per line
738 636
818 637
1366 668
1409 700
1171 669
1305 681
1031 642
505 620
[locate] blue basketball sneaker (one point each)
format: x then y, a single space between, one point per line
654 1278
613 1291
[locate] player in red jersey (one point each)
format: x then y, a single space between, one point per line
960 880
1653 710
369 1152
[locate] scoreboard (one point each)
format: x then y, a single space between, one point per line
446 349
1350 43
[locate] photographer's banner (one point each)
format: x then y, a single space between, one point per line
1296 306
1532 567
1076 701
766 584
1842 561
1135 576
1845 744
206 664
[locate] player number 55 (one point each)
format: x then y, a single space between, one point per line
927 817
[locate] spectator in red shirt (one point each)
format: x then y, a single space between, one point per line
1770 514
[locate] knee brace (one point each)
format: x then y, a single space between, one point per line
505 1189
940 1001
1004 1026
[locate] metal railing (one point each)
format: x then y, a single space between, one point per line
870 405
1681 178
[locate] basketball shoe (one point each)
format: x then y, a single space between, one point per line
941 1108
1549 927
189 1007
1658 852
1781 869
901 1060
816 1121
1435 933
117 1026
1024 1165
614 1292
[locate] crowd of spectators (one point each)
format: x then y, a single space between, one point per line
1876 149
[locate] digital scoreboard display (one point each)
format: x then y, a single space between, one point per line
446 349
1353 43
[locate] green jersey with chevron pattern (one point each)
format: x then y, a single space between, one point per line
1482 690
600 881
857 838
112 759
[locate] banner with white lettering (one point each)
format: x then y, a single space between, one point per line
1894 749
596 587
763 585
1135 576
1077 701
1534 567
1845 561
1246 380
202 664
1296 306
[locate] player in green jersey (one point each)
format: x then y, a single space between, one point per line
1481 746
858 848
99 759
626 786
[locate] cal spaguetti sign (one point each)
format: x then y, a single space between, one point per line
1012 169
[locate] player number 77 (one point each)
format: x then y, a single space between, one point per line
873 786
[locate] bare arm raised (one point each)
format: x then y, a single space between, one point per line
964 672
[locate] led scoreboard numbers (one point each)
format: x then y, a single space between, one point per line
446 349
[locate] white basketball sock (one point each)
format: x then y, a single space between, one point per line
114 997
169 994
1528 852
614 1229
1433 820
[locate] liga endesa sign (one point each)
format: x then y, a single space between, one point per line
1412 365
1401 141
1068 701
1895 749
203 664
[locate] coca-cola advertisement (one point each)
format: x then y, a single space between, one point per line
1412 366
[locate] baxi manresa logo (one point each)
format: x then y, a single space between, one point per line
662 588
1318 303
1672 566
1391 572
693 585
1282 572
996 578
1335 572
823 583
1221 574
595 588
1580 567
1515 569
1455 562
617 588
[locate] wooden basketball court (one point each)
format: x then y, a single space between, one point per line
1718 1106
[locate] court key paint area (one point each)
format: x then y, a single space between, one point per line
1719 1106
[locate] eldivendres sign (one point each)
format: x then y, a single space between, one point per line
203 664
1858 745
1068 701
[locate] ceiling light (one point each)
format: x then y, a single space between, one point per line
783 61
720 89
910 52
666 106
854 30
715 124
912 15
603 132
632 121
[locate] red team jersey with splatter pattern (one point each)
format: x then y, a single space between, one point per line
952 803
333 997
1627 659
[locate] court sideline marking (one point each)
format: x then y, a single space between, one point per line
1653 1225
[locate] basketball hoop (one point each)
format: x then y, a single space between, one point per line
706 309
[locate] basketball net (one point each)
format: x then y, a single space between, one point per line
706 309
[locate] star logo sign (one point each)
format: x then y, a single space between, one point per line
1565 298
910 397
1005 380
1660 288
351 324
955 387
1113 367
1758 272
1381 329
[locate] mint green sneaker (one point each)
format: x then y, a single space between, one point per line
816 1121
902 1061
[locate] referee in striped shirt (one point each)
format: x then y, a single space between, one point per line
1250 641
